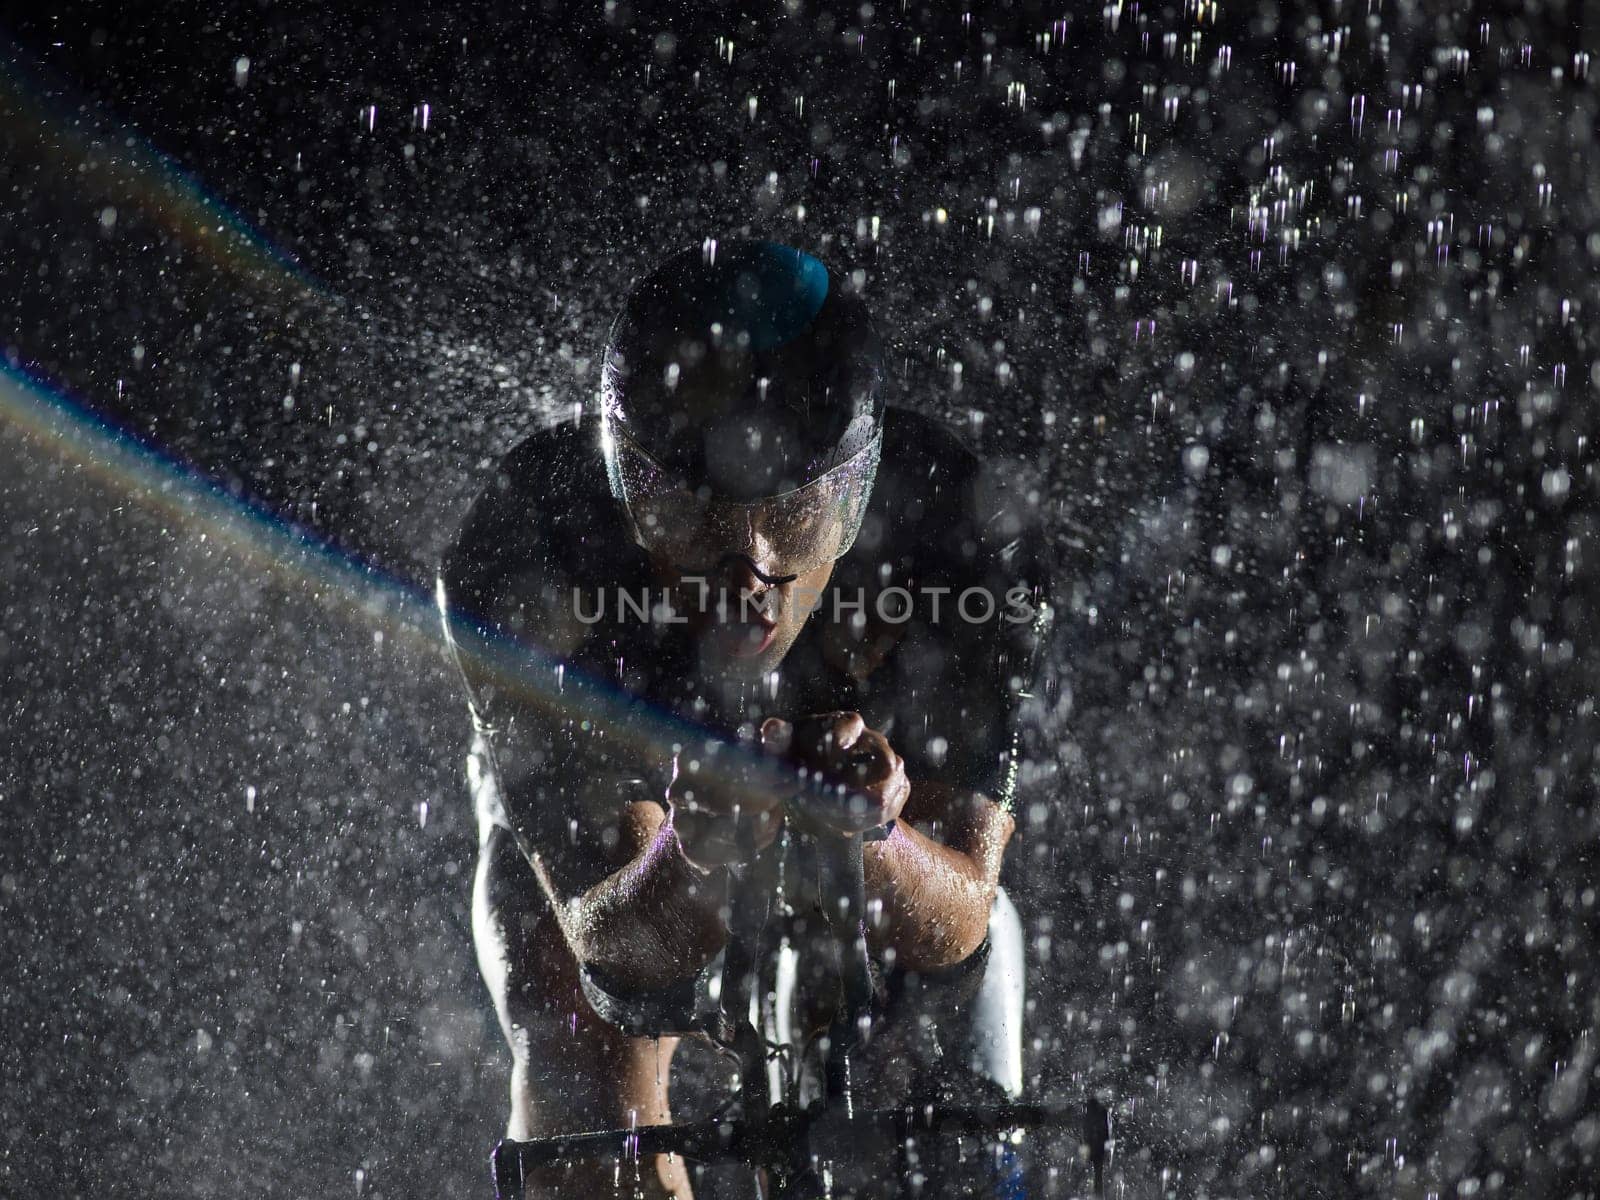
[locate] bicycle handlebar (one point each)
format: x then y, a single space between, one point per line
780 1140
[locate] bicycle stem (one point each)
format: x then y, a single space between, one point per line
841 871
741 966
841 880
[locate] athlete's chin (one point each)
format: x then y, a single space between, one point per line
747 657
752 668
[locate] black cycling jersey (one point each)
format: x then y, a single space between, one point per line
930 627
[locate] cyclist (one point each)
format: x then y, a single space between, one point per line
748 539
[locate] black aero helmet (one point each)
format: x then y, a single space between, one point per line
742 405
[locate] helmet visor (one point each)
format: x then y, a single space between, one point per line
782 535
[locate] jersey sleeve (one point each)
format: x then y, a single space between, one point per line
504 595
999 677
972 664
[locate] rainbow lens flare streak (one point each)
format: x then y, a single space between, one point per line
342 582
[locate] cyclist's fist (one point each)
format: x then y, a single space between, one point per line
723 810
868 778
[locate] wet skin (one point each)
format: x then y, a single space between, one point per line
639 894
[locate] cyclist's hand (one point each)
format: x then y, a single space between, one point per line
868 777
722 813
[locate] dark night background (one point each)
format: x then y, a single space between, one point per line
1286 313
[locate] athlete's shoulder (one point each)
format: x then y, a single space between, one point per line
552 468
935 492
921 446
924 476
544 505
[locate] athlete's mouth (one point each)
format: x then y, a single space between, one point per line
745 637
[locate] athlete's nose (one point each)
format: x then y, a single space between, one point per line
744 588
739 576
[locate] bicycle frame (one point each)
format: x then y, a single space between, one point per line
789 1143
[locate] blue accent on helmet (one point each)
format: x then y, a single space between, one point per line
774 293
738 365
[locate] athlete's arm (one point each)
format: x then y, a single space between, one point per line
590 819
934 877
594 825
938 872
629 903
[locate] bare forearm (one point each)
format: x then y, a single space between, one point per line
934 900
654 922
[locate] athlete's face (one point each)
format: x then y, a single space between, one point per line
743 621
